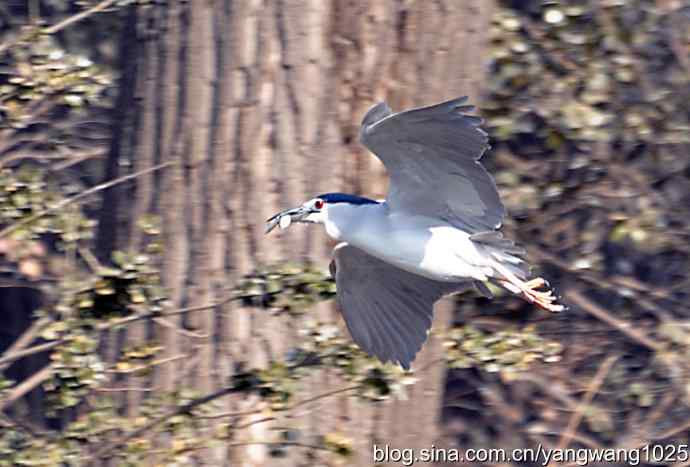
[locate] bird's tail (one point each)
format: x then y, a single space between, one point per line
503 251
511 272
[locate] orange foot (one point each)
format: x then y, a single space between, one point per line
543 298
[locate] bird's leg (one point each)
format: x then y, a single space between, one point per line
528 289
535 283
544 299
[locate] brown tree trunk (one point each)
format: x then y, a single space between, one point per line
258 103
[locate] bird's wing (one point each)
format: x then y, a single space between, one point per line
432 156
388 311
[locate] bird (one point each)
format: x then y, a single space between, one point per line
436 233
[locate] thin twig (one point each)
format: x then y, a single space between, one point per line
90 259
6 359
255 422
277 443
179 311
180 330
254 443
324 395
614 284
27 385
592 389
149 365
78 17
98 154
293 406
236 414
661 409
62 24
65 202
186 408
19 425
685 426
24 340
126 389
550 387
576 298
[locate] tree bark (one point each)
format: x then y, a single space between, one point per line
259 103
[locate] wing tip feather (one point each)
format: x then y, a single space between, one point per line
375 114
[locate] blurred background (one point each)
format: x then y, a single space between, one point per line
146 319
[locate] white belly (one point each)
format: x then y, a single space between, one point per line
450 255
415 244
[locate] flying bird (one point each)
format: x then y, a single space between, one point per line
435 234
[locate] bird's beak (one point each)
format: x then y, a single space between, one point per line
287 217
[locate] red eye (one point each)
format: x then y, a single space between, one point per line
318 204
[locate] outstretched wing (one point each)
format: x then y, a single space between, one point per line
388 311
432 157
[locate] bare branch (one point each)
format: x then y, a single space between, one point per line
24 340
78 17
6 359
17 351
65 202
186 408
592 389
149 365
625 327
27 385
63 24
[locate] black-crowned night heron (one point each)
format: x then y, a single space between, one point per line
435 234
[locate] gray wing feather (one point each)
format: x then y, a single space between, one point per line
432 156
387 310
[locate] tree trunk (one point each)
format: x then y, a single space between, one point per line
258 103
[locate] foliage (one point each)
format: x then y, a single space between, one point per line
572 84
607 75
507 350
287 287
44 72
587 108
52 102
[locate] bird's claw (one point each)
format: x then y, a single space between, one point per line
544 299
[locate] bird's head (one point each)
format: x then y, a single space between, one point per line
312 211
315 210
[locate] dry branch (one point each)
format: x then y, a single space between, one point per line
637 335
18 349
187 408
65 202
592 389
64 23
27 385
23 341
9 358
